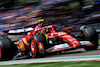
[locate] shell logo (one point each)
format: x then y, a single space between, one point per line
67 36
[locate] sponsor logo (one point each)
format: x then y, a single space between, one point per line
67 36
85 42
21 45
61 46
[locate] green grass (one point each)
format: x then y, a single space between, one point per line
99 41
60 64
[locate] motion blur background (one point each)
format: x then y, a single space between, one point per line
16 14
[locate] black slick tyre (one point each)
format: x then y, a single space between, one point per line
7 49
91 34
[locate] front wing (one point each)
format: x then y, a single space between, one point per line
67 46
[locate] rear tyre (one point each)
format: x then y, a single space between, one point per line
90 33
7 49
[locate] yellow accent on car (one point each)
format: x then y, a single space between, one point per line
46 36
21 45
25 41
41 31
40 20
77 43
52 50
47 29
67 36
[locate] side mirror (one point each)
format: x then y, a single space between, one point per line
68 30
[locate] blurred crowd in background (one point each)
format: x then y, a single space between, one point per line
63 13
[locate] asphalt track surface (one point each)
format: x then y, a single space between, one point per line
71 53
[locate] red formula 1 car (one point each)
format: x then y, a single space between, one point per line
48 39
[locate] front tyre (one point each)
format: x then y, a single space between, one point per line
90 33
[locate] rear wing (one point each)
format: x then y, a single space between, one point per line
34 27
20 30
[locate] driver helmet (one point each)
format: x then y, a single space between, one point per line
47 30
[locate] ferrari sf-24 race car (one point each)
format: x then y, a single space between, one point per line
48 39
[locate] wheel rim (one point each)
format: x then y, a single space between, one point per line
33 48
41 47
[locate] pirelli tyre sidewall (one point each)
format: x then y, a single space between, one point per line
35 41
7 49
91 34
33 48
